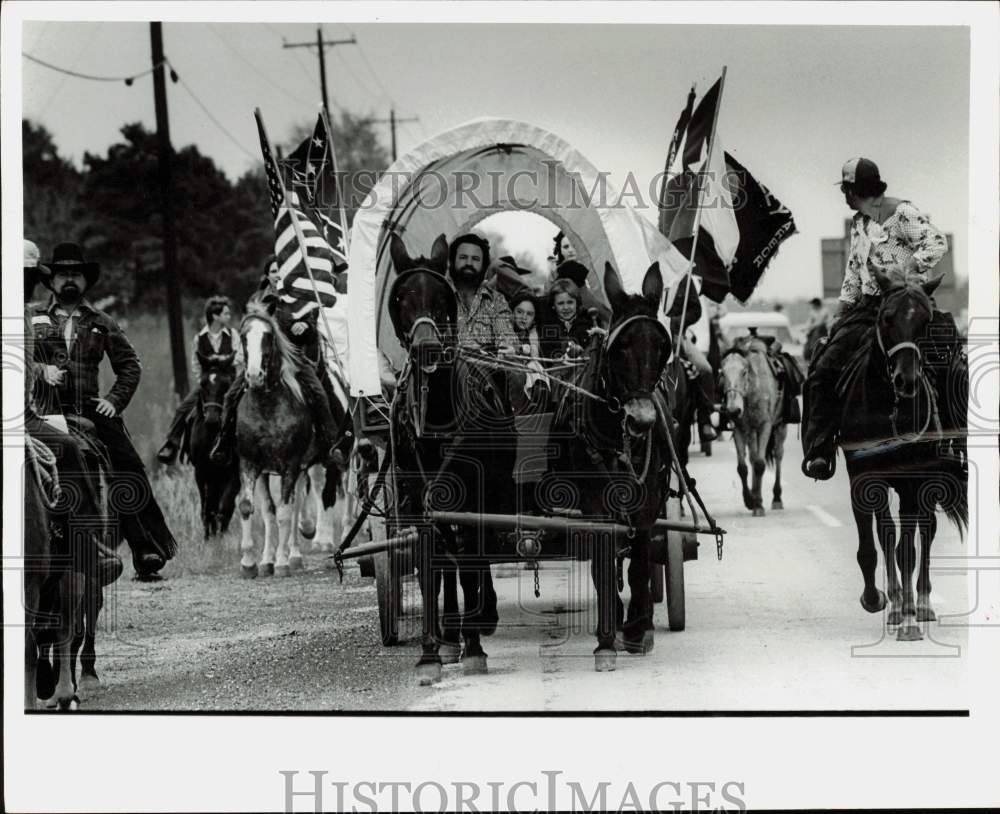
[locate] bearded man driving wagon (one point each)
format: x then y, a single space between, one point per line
887 235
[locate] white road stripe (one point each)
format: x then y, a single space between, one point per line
825 517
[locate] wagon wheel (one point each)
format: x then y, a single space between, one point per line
388 573
673 571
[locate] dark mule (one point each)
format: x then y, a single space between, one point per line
618 439
892 438
752 402
218 484
426 414
39 499
71 596
274 436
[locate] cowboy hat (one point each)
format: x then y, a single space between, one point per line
68 257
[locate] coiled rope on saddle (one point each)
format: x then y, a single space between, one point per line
43 464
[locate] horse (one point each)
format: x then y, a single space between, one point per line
618 420
892 438
438 453
218 484
69 594
274 439
752 401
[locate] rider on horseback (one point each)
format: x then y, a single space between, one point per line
72 339
886 234
89 554
215 349
313 377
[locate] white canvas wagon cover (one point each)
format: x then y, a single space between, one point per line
456 179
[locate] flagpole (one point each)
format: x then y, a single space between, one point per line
340 198
292 213
697 214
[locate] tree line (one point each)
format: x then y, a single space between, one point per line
112 207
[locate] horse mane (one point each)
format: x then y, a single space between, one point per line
291 357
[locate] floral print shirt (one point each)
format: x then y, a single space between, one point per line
907 233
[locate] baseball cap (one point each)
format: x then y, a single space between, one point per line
859 171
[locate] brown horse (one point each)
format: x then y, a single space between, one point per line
752 400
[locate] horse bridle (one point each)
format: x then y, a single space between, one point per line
609 343
932 413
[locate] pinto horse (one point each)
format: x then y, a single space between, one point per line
618 424
892 438
274 439
218 484
752 401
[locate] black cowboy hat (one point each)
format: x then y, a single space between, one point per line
69 257
507 260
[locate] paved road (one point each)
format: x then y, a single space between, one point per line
775 625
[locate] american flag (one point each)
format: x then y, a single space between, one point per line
312 170
297 287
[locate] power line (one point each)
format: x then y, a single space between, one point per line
128 80
257 70
371 70
357 79
208 113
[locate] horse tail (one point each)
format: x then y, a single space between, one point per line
956 504
769 449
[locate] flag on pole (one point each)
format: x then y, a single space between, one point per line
313 174
305 282
741 223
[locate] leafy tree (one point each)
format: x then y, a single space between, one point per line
52 186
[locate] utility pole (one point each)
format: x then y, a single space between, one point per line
392 121
321 45
174 317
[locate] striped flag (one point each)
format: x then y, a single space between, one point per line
312 170
302 280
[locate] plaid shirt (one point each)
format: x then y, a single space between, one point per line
907 233
487 323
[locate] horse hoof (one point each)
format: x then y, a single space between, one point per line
282 571
925 613
777 505
248 571
428 674
474 665
909 633
295 563
71 704
605 660
267 569
895 617
88 683
641 647
758 511
450 653
874 607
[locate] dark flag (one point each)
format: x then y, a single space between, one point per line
764 224
699 130
313 176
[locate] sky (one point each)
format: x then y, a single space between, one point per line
798 101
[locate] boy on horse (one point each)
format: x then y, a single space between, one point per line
72 338
215 349
886 234
317 389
